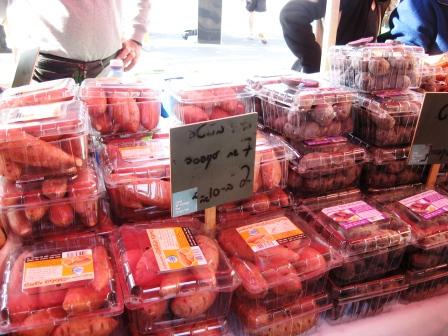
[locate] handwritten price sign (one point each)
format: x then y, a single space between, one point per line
212 163
430 145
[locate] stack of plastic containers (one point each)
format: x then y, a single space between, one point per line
121 109
284 273
60 280
196 100
172 275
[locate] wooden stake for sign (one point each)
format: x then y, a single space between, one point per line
433 173
210 222
331 23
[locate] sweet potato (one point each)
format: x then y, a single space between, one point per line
252 280
81 192
28 150
9 169
51 299
35 209
192 305
192 114
218 113
173 283
82 299
154 311
234 245
75 145
310 261
125 113
18 223
146 270
158 194
230 102
149 112
54 188
271 170
125 196
61 215
40 323
97 106
92 326
103 270
206 275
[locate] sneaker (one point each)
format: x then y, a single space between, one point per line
262 38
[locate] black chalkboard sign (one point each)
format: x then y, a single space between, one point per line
212 163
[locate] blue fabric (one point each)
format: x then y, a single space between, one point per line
423 23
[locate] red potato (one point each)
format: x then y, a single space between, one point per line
192 114
61 215
9 169
146 270
218 113
257 203
271 170
92 326
149 112
28 150
55 188
34 208
18 223
82 299
125 113
193 305
252 280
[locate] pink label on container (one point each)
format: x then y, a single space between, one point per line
354 214
427 205
325 141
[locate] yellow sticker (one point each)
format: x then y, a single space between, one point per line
270 233
175 249
48 270
151 150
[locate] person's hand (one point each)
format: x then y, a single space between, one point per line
130 54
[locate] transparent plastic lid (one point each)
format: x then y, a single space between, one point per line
272 253
303 98
97 87
426 211
291 78
330 152
355 224
39 93
370 50
40 121
296 316
52 282
416 277
215 327
167 259
206 90
369 289
391 104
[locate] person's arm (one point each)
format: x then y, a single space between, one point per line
295 18
133 38
414 23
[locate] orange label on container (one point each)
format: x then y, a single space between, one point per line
175 249
151 150
37 112
58 268
270 233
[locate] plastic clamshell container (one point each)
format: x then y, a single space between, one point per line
275 257
365 299
372 241
434 79
43 140
196 100
39 208
259 203
137 173
39 93
172 274
426 211
215 327
303 113
388 168
426 283
61 284
376 66
388 120
295 316
325 165
117 108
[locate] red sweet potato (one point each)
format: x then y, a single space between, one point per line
40 323
18 223
61 215
97 106
75 145
149 112
81 191
125 112
252 279
54 188
146 270
271 170
193 305
92 326
257 203
154 311
172 283
159 194
192 114
9 169
35 209
234 245
218 113
82 299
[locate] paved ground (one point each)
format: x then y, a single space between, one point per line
166 52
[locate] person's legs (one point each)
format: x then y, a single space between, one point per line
251 25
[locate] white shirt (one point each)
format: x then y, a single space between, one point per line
84 30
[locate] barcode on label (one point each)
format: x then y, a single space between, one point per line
73 254
264 245
199 256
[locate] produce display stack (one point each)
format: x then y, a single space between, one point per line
59 279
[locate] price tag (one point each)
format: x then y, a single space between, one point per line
212 163
430 145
